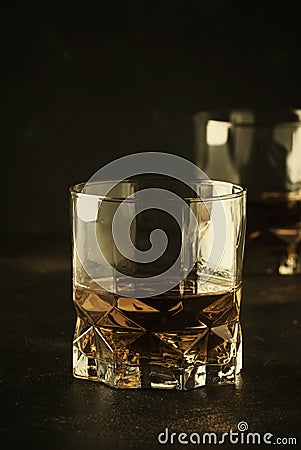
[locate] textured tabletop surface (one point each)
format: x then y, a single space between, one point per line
44 406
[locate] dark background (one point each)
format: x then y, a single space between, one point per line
86 83
80 86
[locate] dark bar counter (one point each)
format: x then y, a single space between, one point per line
43 406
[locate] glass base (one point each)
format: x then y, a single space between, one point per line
148 375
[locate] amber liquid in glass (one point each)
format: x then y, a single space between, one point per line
164 341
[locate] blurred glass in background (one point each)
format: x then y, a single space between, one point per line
261 150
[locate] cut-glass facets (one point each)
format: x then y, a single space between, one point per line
161 342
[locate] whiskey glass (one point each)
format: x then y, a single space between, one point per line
260 149
137 325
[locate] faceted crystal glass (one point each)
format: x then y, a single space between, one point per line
185 337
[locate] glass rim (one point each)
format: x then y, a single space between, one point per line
241 191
